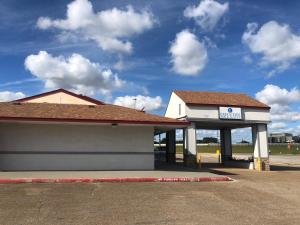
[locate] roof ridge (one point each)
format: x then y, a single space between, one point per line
220 92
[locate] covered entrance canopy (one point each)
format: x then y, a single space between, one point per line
220 111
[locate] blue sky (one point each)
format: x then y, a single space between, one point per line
231 47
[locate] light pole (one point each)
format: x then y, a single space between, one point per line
134 102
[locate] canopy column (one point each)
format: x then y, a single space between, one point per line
226 144
261 150
190 153
171 146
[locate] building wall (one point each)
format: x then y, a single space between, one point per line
212 112
280 137
173 107
75 147
257 115
201 112
60 98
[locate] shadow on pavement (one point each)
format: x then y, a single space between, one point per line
284 168
179 166
223 173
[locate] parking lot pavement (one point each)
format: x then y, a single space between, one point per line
275 159
285 159
254 198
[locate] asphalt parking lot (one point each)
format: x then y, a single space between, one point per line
254 198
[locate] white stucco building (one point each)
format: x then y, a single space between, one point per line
60 130
219 111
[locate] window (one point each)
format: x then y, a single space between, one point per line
179 109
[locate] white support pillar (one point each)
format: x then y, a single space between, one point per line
226 144
254 142
260 144
190 156
171 146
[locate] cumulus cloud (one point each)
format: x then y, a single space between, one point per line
296 130
280 100
200 134
247 59
140 102
272 94
286 116
241 134
207 133
237 134
282 127
278 126
207 14
6 96
110 29
277 44
75 73
189 55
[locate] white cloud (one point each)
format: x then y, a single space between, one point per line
241 134
140 102
179 134
277 126
247 59
296 130
272 94
189 55
6 96
18 82
110 29
207 14
120 65
275 42
287 116
207 133
281 127
237 134
75 73
280 100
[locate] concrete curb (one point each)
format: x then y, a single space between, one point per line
101 180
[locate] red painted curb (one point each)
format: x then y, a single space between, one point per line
99 180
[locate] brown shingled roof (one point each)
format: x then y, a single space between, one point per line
220 99
81 113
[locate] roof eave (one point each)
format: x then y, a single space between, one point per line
224 105
68 120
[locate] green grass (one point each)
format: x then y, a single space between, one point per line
275 149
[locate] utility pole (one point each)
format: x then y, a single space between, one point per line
134 102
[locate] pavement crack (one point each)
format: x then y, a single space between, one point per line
40 205
93 191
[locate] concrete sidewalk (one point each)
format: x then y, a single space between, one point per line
108 176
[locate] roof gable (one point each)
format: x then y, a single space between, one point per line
219 99
61 96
